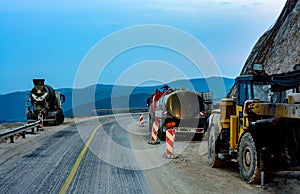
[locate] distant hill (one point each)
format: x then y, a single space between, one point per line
13 105
133 101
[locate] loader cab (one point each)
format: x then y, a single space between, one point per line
252 87
247 87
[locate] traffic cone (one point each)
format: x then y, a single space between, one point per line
153 140
142 119
170 137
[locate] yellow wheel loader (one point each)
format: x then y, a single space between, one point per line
258 125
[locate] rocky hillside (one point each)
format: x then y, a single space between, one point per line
278 50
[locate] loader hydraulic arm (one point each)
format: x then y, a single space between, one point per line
275 110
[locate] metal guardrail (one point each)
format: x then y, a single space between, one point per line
119 110
18 130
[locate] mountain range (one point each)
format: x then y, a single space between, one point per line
13 105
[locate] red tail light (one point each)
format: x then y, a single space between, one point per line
200 130
170 125
202 113
165 112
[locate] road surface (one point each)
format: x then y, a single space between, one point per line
110 154
46 165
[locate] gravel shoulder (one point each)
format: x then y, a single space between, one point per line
190 173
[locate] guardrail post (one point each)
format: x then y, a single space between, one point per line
141 119
23 134
12 140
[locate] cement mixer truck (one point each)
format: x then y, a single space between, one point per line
183 110
46 103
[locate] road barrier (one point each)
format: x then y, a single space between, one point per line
99 112
142 119
153 140
170 137
19 130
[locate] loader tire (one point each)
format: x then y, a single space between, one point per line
213 159
248 160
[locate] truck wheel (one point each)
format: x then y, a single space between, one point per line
161 135
150 124
213 159
62 118
248 162
291 150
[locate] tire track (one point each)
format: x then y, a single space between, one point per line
100 175
46 166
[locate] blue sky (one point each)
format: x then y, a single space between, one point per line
50 39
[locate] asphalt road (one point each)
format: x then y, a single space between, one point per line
85 157
111 155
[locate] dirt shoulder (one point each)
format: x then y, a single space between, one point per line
190 173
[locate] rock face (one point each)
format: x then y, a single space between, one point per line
278 50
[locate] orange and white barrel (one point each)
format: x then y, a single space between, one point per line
142 119
154 132
170 137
